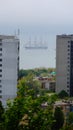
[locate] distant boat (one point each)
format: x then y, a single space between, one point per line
36 45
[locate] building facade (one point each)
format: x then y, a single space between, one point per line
47 83
64 64
9 66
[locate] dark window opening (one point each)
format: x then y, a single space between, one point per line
0 96
0 70
0 91
68 45
0 49
67 86
0 54
0 44
0 59
0 65
0 81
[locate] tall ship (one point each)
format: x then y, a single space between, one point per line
36 44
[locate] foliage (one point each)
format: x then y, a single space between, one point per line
1 112
70 118
36 72
59 119
67 127
63 94
1 116
28 110
69 123
52 98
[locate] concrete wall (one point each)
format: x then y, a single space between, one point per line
9 68
62 63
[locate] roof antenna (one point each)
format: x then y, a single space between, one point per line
15 32
18 33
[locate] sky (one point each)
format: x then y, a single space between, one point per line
36 18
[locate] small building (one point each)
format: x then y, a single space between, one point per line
47 83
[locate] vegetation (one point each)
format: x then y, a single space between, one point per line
59 119
32 109
70 118
1 116
36 72
28 111
63 94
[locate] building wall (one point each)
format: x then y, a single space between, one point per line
71 68
48 84
63 63
10 64
45 84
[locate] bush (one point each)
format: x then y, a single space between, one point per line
63 94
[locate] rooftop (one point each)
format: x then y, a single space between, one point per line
7 37
65 36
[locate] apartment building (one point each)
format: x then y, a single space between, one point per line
64 64
9 66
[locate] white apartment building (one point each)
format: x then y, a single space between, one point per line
9 66
64 64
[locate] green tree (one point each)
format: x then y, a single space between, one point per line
59 119
66 127
1 116
36 72
63 94
26 112
1 112
70 118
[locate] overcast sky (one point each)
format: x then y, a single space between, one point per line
52 16
55 15
36 12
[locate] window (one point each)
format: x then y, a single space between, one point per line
0 54
68 53
68 69
0 40
0 81
68 66
0 65
68 62
0 75
68 46
68 49
67 86
0 96
67 82
0 91
0 44
67 78
0 59
18 47
0 49
67 90
0 86
0 70
18 58
68 57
